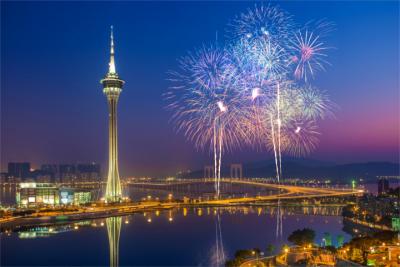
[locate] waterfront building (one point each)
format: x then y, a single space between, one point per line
112 87
31 194
82 197
70 196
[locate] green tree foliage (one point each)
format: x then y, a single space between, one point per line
270 249
339 240
302 237
360 246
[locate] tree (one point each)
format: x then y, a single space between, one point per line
327 239
339 240
270 249
241 255
302 237
233 263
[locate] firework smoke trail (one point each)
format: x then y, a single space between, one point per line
219 163
218 140
274 147
215 157
279 130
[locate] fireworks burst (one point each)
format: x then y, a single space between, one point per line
269 22
249 92
299 138
309 50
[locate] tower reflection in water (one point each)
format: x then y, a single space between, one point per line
113 231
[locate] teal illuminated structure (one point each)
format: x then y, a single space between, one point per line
112 87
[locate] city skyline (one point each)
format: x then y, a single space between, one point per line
63 121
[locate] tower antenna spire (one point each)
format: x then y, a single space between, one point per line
111 67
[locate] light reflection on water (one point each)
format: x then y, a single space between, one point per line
176 237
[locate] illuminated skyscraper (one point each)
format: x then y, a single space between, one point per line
112 87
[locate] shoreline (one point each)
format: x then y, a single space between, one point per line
89 213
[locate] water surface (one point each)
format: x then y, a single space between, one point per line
170 238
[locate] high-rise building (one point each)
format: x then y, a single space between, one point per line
67 173
89 172
50 169
112 87
19 169
383 185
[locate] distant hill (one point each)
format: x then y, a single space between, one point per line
307 168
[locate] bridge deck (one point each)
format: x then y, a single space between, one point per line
289 191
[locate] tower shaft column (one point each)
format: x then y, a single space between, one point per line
113 190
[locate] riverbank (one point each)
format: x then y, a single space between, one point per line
51 216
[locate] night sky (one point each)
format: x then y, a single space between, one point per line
53 56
